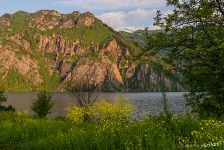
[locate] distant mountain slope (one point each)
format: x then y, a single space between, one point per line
46 49
139 35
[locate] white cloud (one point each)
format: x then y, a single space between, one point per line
120 20
120 14
114 19
135 28
112 4
141 13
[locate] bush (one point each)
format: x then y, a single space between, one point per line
2 97
119 110
75 113
43 104
9 108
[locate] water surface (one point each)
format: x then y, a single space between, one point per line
145 103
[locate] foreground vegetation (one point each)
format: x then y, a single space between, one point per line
104 125
18 131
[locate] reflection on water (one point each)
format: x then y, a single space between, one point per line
145 103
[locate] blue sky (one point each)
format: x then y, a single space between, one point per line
120 14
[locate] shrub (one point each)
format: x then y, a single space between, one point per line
119 110
9 108
2 97
75 113
43 104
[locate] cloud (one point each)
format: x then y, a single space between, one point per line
112 4
120 20
114 19
135 28
141 13
119 14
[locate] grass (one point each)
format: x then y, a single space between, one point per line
19 21
90 35
155 133
16 82
50 82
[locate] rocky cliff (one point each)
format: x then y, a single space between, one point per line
46 49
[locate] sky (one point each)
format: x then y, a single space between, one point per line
119 14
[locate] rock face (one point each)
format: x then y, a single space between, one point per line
44 20
19 40
49 19
48 49
87 19
58 45
5 20
24 65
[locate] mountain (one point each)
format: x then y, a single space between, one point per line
47 49
139 35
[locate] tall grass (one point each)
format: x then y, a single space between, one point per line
22 132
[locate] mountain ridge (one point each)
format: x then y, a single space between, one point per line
46 49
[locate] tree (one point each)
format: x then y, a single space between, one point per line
193 36
84 92
85 89
43 104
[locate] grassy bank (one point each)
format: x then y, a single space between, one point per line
21 132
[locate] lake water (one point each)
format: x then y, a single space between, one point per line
145 103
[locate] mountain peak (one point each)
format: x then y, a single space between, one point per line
49 19
49 12
47 49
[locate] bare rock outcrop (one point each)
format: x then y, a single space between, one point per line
50 12
86 19
66 22
5 20
24 65
64 69
112 49
20 41
49 19
59 45
95 71
44 19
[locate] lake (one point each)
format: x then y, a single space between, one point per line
145 103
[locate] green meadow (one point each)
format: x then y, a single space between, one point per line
19 131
